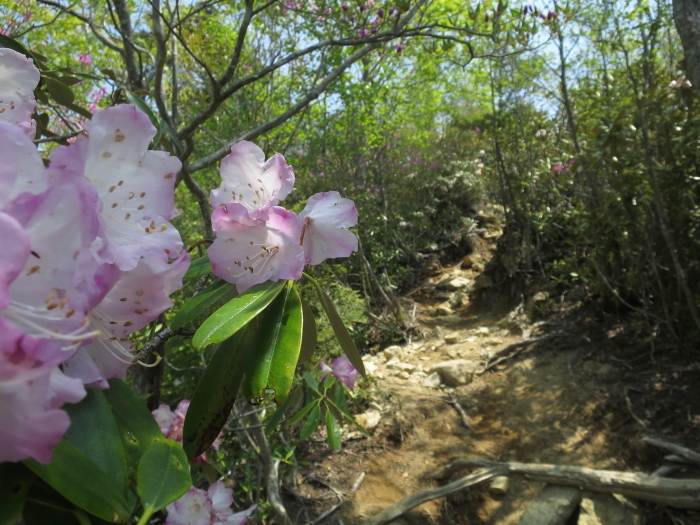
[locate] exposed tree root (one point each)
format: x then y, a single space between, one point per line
679 493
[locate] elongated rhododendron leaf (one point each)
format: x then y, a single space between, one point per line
198 268
215 394
309 333
198 304
94 432
235 314
79 480
341 333
137 427
277 345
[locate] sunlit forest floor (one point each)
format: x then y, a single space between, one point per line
584 392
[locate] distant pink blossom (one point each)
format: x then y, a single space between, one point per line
212 507
85 59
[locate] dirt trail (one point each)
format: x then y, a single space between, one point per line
550 404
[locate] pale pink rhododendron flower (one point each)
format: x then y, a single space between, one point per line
32 389
343 369
18 79
327 217
257 240
251 182
135 186
212 507
172 423
250 251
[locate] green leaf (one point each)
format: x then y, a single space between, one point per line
137 426
312 423
309 333
15 480
333 432
299 415
274 420
163 475
198 268
215 394
83 483
277 345
198 304
311 381
235 314
341 333
59 91
94 432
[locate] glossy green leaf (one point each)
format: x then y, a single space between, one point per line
341 333
333 431
83 483
235 314
94 432
198 304
277 345
137 426
308 335
163 475
198 268
312 423
15 480
215 394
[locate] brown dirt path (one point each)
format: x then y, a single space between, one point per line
553 403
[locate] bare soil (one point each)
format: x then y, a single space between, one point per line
582 397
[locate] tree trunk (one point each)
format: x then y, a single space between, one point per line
686 14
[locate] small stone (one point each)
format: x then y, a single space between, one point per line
404 375
434 380
482 330
451 319
456 372
369 419
391 352
553 506
499 485
467 262
478 267
452 339
453 353
459 282
443 310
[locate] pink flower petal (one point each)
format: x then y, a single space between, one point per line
248 252
134 185
193 508
18 79
32 388
344 371
250 181
327 217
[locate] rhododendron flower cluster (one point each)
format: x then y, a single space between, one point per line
88 258
172 423
210 507
342 369
257 240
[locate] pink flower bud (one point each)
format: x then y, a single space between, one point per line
345 7
380 13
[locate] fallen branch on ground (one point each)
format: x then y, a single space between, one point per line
678 493
690 456
503 354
